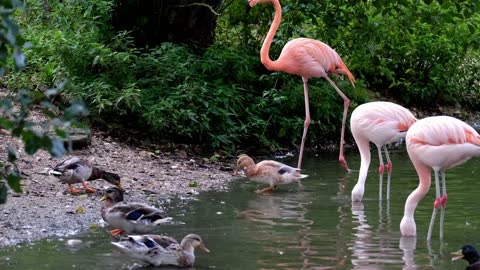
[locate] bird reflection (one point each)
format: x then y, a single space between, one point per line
362 238
276 210
408 244
370 249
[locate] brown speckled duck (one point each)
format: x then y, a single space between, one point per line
162 250
75 170
129 217
269 172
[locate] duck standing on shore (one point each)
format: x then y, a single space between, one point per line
129 217
269 172
76 170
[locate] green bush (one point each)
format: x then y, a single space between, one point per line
221 99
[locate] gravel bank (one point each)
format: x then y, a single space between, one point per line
46 208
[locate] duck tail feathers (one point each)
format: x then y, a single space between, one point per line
55 173
301 176
162 220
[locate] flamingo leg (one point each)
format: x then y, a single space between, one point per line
389 171
306 123
435 205
380 172
443 203
346 103
87 188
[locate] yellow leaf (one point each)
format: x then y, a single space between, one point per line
80 210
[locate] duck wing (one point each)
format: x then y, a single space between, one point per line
163 241
68 164
286 170
135 212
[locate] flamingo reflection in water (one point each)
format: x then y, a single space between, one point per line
370 250
285 209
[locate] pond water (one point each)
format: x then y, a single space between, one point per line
315 228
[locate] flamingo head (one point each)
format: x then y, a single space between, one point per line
357 193
408 227
252 3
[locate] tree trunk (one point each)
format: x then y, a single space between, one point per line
152 22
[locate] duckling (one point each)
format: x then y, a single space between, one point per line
75 170
129 217
268 172
470 254
162 250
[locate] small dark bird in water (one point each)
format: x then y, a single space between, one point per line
470 254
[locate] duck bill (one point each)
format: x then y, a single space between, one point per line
204 248
103 198
120 187
457 255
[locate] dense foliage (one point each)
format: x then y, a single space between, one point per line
422 53
219 98
15 108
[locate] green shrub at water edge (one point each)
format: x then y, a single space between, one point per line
220 99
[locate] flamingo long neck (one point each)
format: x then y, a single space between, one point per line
264 51
364 149
417 195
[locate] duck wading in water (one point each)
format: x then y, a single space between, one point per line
162 250
268 172
129 217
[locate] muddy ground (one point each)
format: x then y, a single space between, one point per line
46 208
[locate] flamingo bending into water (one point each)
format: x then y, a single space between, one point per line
382 123
438 143
307 58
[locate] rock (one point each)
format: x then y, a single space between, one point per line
79 137
74 242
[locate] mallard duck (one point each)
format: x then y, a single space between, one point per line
470 254
75 170
129 217
162 250
269 172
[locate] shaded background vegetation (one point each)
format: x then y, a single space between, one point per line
421 53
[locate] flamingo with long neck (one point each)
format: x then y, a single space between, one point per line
307 58
382 123
438 143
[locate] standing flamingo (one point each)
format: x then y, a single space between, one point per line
438 143
307 58
382 123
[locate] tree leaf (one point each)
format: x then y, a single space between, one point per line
13 180
3 193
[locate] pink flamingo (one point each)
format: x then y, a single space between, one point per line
382 123
438 143
307 58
